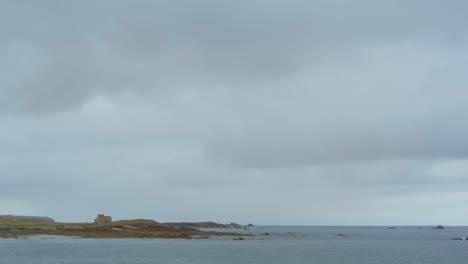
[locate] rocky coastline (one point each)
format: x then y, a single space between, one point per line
108 231
137 228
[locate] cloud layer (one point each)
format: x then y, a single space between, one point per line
277 112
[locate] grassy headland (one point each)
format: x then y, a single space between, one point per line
136 228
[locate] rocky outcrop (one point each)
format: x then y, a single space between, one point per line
439 227
234 225
108 231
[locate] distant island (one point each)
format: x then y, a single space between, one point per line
31 218
103 227
206 225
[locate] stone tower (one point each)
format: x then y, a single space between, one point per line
103 219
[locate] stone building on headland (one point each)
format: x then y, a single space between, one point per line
103 219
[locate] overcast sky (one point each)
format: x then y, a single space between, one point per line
320 112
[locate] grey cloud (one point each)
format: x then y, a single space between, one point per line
394 110
213 110
93 48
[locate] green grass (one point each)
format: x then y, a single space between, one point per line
24 222
73 224
135 222
20 222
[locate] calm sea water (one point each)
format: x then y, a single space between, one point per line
292 244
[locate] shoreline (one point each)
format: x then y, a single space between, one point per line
109 231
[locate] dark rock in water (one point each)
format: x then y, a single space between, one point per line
392 227
238 238
250 225
341 235
265 234
439 227
460 238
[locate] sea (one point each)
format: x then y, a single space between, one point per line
269 244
